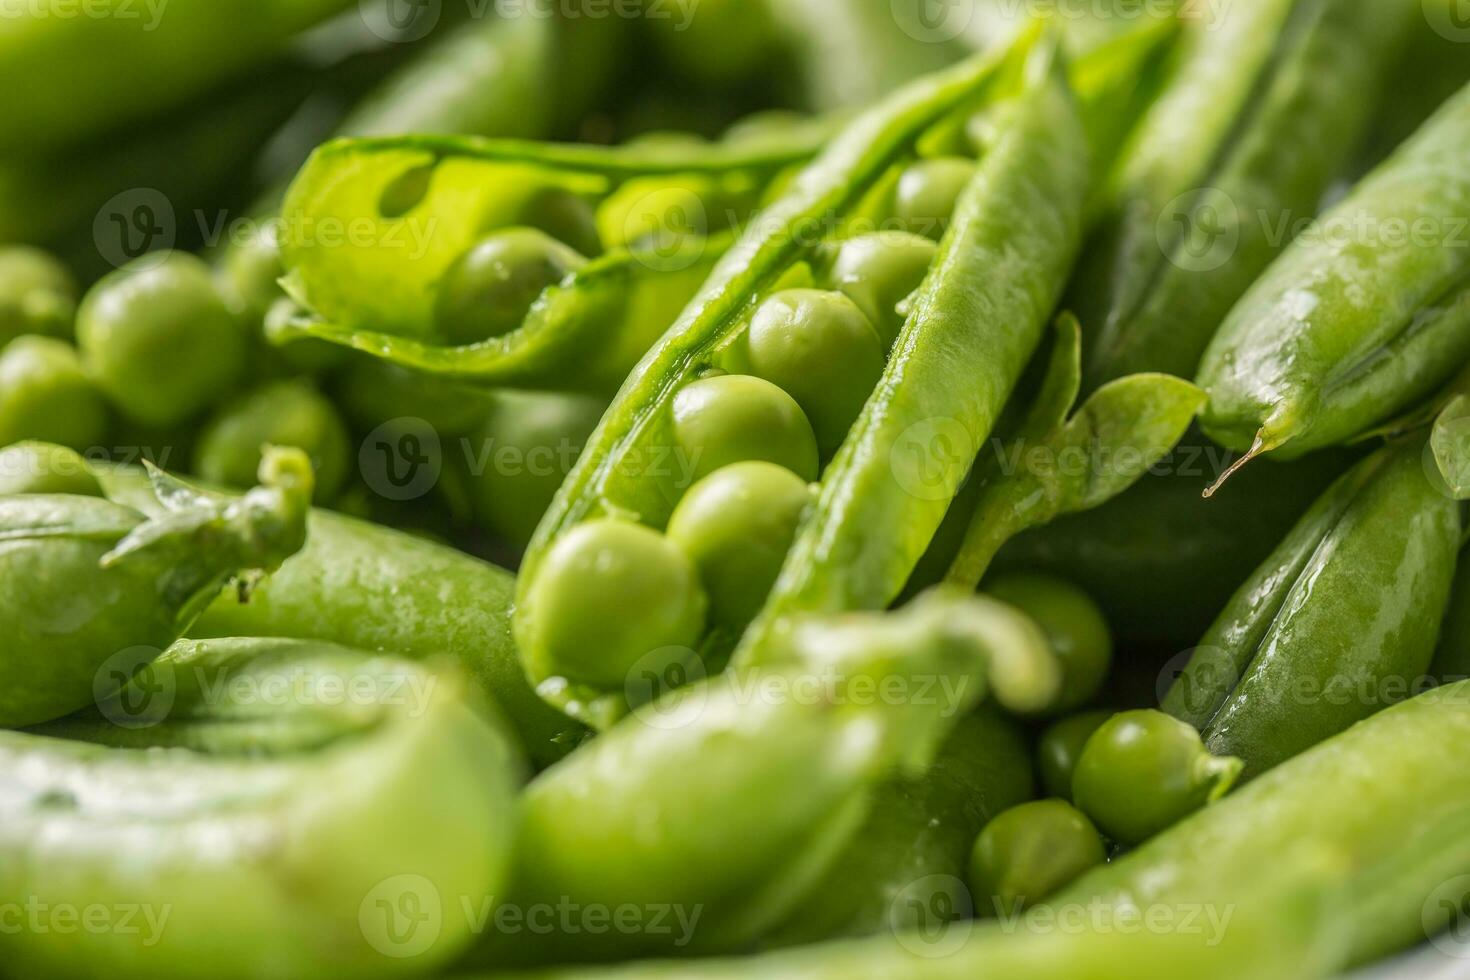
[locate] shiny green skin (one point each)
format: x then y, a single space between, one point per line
736 525
371 393
735 418
223 792
1030 852
962 350
489 290
613 594
45 395
1074 626
906 860
285 413
377 589
86 581
928 192
1358 322
160 340
42 467
661 213
1161 562
251 271
880 271
1264 105
1452 659
1143 771
1339 622
37 294
821 349
522 453
1060 746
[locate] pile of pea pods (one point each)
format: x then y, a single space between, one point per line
724 488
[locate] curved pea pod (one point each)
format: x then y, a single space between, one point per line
1362 316
236 772
970 328
86 581
1068 458
1340 621
1265 102
908 858
420 203
645 815
373 588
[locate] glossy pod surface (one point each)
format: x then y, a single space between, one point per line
1362 316
244 770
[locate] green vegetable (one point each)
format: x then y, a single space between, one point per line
878 272
928 193
1029 852
287 413
247 770
1340 621
490 289
92 589
1360 318
37 294
1073 625
728 419
41 467
1059 748
45 395
159 338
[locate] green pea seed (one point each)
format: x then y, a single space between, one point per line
523 452
735 418
1073 624
1143 771
566 217
607 595
252 270
289 414
928 193
37 294
45 395
160 340
1030 852
880 271
660 213
821 349
42 467
488 291
1059 748
737 525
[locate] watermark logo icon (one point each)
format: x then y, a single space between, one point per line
931 457
401 21
1446 917
133 224
933 916
1200 230
402 459
131 691
402 916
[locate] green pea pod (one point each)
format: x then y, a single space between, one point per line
1265 102
585 331
374 588
1063 462
242 771
168 53
909 855
1340 621
1449 441
1452 659
805 741
1362 316
93 590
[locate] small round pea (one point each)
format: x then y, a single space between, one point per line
37 294
928 193
372 392
734 418
819 347
607 594
45 395
1073 624
42 467
160 340
880 271
660 213
737 524
489 289
1059 748
1029 852
286 413
522 453
251 272
566 217
1143 771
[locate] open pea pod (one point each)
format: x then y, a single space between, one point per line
1265 103
513 263
235 772
1363 316
1338 623
1070 458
